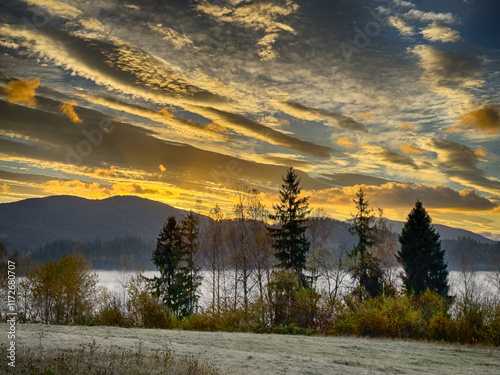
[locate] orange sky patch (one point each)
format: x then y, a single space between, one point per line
345 142
68 108
22 91
407 126
409 149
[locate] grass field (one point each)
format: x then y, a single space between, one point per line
254 354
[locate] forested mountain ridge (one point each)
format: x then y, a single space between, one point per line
105 230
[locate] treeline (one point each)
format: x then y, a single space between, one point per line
103 254
482 256
278 272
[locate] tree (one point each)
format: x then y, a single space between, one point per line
174 285
366 269
189 234
290 242
63 292
421 255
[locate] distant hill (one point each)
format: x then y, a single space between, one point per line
106 229
31 223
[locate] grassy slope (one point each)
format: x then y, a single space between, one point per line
240 353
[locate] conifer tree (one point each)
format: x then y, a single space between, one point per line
174 286
421 255
290 243
366 269
189 233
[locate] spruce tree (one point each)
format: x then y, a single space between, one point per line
290 243
421 255
189 234
174 286
366 269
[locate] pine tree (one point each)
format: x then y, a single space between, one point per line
366 269
421 255
290 243
174 286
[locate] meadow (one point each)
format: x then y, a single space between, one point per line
156 351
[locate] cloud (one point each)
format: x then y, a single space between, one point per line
95 190
401 25
407 126
285 160
22 91
420 16
350 179
267 16
459 162
410 149
448 68
258 131
162 168
178 40
68 109
450 74
437 33
398 195
345 142
367 116
313 114
384 156
56 7
485 119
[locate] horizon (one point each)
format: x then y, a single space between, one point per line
204 211
182 102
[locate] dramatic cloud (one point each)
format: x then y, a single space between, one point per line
459 162
267 16
177 39
437 33
448 68
397 195
56 7
258 131
68 109
485 119
313 114
22 91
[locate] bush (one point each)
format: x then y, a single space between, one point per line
394 317
111 315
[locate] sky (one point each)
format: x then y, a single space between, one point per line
185 102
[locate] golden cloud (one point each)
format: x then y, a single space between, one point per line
68 108
409 149
345 142
398 195
481 152
22 91
486 119
407 126
366 116
162 168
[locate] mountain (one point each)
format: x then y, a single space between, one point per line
105 230
31 223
